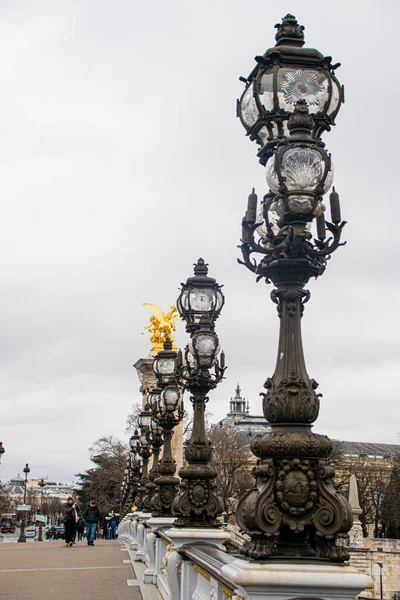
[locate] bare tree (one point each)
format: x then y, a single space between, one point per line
103 481
132 419
231 459
390 509
6 502
372 479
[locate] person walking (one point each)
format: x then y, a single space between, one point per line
80 528
69 519
113 522
91 516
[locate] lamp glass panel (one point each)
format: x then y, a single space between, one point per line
329 179
202 299
333 104
220 300
165 366
264 134
302 84
302 169
205 344
275 213
171 396
262 229
191 362
146 420
267 91
271 175
184 299
248 107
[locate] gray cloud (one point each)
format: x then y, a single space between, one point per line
122 162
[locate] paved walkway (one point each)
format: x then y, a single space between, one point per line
49 570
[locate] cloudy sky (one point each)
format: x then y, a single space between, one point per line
122 162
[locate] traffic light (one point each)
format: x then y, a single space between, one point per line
38 509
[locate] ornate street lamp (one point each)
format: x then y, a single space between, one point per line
198 503
167 409
145 453
285 74
200 295
294 510
169 414
22 537
2 450
134 468
155 437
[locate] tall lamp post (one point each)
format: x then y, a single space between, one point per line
291 97
198 503
134 467
145 453
167 409
155 438
22 537
41 483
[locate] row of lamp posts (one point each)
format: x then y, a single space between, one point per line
192 499
291 98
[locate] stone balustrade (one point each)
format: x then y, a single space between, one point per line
192 564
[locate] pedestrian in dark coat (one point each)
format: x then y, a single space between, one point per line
113 522
69 519
91 515
80 528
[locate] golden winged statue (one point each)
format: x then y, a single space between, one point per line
161 325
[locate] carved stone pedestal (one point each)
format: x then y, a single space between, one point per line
155 548
141 535
176 568
279 581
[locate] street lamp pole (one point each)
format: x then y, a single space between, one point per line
380 565
41 483
22 537
291 97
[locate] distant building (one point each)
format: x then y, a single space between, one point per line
16 486
241 420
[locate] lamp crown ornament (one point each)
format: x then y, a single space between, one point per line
200 267
289 32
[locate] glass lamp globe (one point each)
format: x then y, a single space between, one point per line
170 398
144 420
285 74
302 171
190 362
200 295
164 364
205 347
153 399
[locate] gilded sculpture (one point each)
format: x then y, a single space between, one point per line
161 327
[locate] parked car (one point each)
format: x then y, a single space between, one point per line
55 533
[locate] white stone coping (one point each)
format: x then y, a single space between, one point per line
308 577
